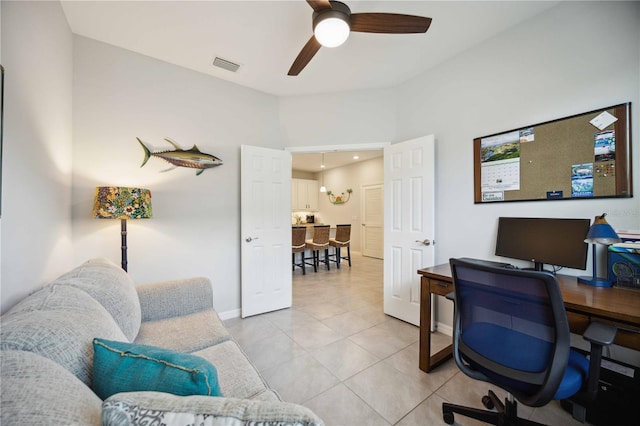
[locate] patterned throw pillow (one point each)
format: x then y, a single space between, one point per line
153 408
127 367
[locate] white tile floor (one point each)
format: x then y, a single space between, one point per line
336 352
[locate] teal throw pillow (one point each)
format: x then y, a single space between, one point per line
127 367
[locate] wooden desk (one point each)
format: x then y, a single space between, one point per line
583 303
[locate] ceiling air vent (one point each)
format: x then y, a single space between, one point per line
224 64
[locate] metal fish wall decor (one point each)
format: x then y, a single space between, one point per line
191 158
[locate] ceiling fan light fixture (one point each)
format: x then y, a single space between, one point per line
332 21
331 28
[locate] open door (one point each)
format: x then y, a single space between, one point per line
265 186
409 181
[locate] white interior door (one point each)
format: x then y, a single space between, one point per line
265 186
373 221
408 224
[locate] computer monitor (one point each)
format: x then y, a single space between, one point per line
558 242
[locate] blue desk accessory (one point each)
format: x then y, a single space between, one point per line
599 233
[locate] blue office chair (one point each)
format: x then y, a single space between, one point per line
511 330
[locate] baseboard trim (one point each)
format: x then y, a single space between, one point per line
235 313
444 329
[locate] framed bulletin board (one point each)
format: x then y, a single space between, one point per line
582 156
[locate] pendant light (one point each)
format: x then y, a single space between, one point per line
322 187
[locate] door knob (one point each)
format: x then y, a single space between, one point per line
425 242
249 239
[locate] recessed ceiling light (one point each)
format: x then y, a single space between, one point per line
355 157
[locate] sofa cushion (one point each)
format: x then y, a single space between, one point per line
136 408
110 285
187 333
59 323
37 391
175 298
238 377
127 367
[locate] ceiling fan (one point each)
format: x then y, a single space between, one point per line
333 20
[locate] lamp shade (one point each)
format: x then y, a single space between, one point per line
115 202
601 232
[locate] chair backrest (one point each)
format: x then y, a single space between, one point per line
298 234
343 233
321 234
510 329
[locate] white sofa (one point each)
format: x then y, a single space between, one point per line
47 353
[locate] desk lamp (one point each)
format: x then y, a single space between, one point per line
122 203
599 233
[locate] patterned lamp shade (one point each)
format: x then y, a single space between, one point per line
112 202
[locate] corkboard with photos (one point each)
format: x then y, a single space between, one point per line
586 155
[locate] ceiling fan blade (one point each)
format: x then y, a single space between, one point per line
389 23
319 5
305 55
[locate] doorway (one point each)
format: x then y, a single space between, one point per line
408 175
346 179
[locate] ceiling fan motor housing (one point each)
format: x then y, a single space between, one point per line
338 10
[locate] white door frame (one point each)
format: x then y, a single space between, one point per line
337 148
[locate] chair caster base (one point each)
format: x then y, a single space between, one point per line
448 418
486 401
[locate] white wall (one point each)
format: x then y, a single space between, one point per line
36 169
338 180
576 57
120 95
358 117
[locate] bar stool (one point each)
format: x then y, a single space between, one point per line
298 235
342 239
319 242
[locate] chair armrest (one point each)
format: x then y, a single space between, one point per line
600 333
174 298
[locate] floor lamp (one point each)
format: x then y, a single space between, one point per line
114 202
599 233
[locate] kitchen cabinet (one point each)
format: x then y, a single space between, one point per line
304 194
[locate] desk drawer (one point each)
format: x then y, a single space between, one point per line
439 287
